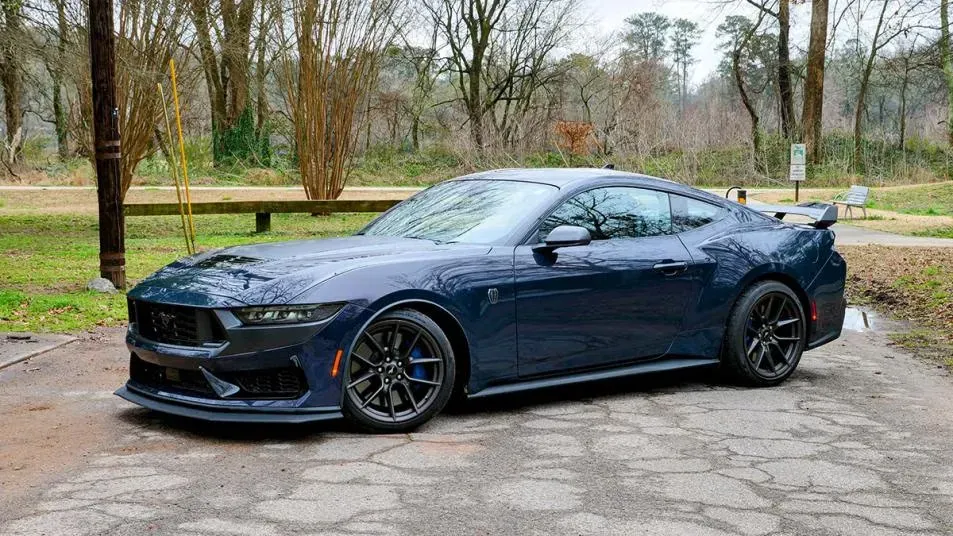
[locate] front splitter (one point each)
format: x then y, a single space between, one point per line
287 416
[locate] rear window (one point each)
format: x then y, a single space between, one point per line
688 213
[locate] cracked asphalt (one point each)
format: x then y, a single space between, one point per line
857 442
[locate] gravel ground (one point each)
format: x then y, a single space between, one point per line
857 442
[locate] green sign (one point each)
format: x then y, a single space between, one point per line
798 154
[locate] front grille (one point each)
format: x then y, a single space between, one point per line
287 382
175 324
190 381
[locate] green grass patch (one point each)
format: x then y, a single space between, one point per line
926 200
936 232
45 261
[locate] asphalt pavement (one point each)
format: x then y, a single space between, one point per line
857 442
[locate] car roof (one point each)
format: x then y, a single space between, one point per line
569 178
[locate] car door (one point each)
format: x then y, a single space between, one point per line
619 299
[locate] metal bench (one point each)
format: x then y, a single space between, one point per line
262 209
855 197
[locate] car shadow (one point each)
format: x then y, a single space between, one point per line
648 384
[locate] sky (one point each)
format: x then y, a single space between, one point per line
607 16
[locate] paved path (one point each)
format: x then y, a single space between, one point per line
849 235
856 443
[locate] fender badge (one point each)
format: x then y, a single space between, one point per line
493 295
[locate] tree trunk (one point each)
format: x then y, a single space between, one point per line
59 116
227 76
415 133
11 78
786 92
56 74
947 64
752 112
903 107
475 99
812 118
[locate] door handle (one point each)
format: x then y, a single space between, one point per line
671 268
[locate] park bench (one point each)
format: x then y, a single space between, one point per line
262 209
855 197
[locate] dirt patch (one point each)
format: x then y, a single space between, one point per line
911 284
55 410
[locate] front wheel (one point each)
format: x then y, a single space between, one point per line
400 373
766 335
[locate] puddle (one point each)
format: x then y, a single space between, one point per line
860 320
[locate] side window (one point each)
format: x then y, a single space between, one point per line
688 213
615 212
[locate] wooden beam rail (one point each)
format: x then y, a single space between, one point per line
262 209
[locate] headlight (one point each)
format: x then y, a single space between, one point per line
287 314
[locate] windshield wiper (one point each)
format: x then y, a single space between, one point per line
438 242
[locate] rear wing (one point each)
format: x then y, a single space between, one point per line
823 215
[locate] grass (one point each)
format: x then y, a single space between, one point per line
940 232
925 200
45 261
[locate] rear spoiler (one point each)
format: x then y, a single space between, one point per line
824 215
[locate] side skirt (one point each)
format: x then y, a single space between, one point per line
662 365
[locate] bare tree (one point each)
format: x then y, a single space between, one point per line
812 114
11 76
741 35
426 64
518 63
780 10
223 32
888 27
947 62
148 34
339 44
527 31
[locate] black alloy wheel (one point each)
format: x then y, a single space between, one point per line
400 372
766 334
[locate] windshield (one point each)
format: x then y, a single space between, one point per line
471 211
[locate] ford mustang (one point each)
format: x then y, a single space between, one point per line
492 283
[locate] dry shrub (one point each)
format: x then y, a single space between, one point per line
339 45
574 136
148 34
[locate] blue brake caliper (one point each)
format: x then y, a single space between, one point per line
417 371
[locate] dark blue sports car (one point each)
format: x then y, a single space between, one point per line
492 283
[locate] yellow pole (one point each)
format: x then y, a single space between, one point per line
182 160
175 172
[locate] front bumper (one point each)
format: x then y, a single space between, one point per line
178 388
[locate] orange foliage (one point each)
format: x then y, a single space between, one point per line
574 136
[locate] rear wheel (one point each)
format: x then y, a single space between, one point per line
400 373
766 335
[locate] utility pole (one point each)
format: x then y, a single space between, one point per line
102 56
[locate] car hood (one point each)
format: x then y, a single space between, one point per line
277 272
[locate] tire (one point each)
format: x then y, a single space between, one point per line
765 336
400 373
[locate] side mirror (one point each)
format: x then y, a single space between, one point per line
565 236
